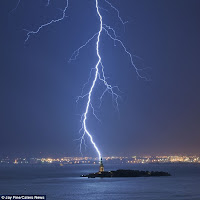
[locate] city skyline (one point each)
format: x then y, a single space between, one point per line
106 160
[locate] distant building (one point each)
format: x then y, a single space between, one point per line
101 167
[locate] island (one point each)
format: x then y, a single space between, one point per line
127 173
124 173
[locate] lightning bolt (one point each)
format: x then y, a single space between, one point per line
93 84
48 2
118 14
98 70
101 75
29 33
16 6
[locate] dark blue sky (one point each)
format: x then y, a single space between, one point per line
38 111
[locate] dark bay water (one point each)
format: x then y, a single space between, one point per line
64 183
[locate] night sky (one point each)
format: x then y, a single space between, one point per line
38 110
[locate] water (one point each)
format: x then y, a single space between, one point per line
64 183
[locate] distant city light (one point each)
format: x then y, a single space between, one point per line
110 159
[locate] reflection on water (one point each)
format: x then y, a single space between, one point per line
64 183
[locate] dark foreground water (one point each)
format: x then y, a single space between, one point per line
64 183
